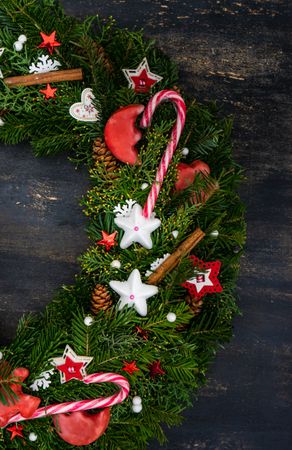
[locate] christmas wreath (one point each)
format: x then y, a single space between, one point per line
124 349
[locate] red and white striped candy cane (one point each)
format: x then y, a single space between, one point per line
163 96
83 405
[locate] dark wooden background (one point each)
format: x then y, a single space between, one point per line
238 52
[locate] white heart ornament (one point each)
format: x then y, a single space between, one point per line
85 111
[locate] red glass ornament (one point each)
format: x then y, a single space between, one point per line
81 428
49 41
121 134
25 404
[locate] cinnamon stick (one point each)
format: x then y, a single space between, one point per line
174 259
42 78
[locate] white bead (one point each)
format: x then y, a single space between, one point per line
137 400
22 38
137 408
185 151
144 186
116 264
174 233
1 122
88 321
214 233
1 355
171 317
32 437
18 46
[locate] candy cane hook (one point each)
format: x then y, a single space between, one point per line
163 96
83 405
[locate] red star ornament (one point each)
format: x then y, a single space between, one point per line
155 369
205 279
70 365
49 92
15 430
108 240
141 79
130 367
49 41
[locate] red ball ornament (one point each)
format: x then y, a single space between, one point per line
81 428
186 173
24 404
121 134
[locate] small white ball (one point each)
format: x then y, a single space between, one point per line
171 317
185 151
214 233
18 46
1 122
1 355
137 408
144 186
32 437
22 38
174 233
137 400
116 264
88 321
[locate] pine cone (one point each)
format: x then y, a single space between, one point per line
101 155
100 299
103 57
194 304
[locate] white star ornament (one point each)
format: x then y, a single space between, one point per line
137 228
133 292
1 53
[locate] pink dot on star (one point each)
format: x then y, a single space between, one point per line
136 228
132 297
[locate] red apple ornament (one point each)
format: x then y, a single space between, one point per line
186 177
121 134
80 428
25 404
186 173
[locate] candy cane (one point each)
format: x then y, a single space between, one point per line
175 135
102 402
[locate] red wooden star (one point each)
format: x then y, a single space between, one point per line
71 365
108 240
71 369
15 430
49 92
130 367
155 369
205 279
49 41
141 79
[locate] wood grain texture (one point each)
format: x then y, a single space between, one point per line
238 52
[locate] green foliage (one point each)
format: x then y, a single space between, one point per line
185 347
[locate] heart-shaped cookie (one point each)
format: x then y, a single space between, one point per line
85 111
